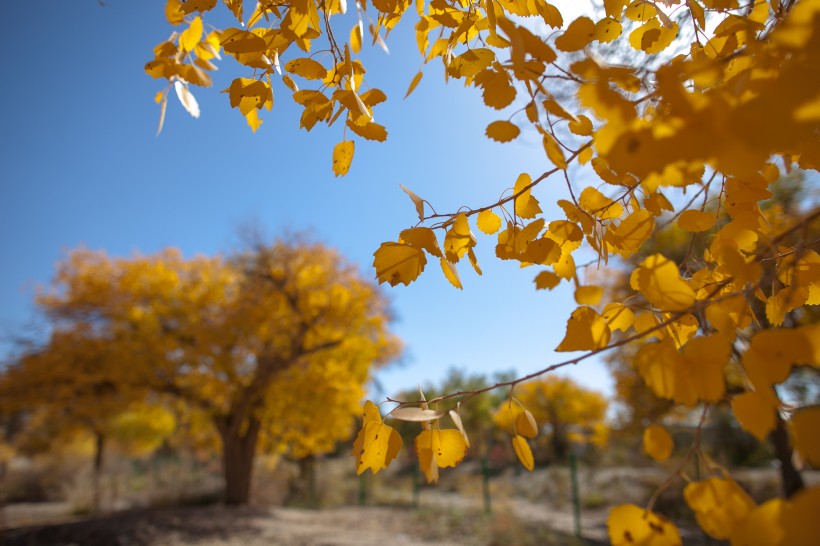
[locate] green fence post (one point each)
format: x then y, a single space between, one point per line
485 479
576 501
416 486
362 489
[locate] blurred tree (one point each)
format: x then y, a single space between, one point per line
566 412
273 345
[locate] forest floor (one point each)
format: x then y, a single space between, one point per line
526 510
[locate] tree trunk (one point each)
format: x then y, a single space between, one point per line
238 452
792 480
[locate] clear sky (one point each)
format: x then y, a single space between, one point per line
80 165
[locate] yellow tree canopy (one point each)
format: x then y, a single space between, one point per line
252 334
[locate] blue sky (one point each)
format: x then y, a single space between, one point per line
80 165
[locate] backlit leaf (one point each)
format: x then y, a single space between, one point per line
438 449
525 424
586 331
488 222
523 452
186 98
191 36
502 131
307 68
696 221
579 33
413 83
554 152
805 425
546 280
630 525
415 415
377 444
659 281
588 295
719 505
173 12
422 237
417 201
450 272
657 443
618 317
398 263
755 411
342 157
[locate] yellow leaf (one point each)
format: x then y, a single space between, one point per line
470 63
377 444
630 525
370 130
523 452
525 424
631 233
417 201
588 295
458 239
607 30
247 94
682 329
773 352
805 425
498 91
719 505
652 37
438 449
763 526
191 35
656 203
173 12
640 11
755 411
657 443
236 8
488 222
450 272
581 125
664 371
526 206
554 152
398 263
800 518
579 33
502 131
238 42
342 157
421 237
696 221
356 38
599 205
252 117
618 316
550 14
413 83
785 301
191 6
546 280
614 8
705 358
307 68
542 251
586 331
659 281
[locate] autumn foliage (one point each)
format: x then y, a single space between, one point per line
239 341
716 100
